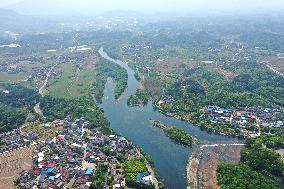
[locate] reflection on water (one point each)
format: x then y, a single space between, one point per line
170 159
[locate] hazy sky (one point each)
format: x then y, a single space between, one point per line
91 6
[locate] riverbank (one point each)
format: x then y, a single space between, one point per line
150 168
208 130
192 170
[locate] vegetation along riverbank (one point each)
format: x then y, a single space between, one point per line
178 136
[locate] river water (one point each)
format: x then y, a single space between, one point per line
170 159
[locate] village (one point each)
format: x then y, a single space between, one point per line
250 120
72 157
11 69
16 139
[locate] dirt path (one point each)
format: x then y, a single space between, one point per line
192 170
37 109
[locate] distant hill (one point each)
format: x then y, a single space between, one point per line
122 13
48 8
12 21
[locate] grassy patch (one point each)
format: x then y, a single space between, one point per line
82 83
74 81
59 88
132 168
11 78
44 133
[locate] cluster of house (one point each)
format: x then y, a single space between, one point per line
166 99
133 48
269 117
41 73
33 58
10 69
12 65
242 52
22 58
71 158
16 139
251 116
74 56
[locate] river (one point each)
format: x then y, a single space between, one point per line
170 159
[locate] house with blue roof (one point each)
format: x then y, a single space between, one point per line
89 171
144 178
279 124
78 121
79 130
51 178
49 170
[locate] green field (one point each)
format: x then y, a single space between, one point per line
11 78
44 133
81 86
73 82
60 84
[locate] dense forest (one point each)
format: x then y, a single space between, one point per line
19 96
15 104
275 141
11 117
260 166
242 176
255 85
262 159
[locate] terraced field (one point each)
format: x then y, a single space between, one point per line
12 163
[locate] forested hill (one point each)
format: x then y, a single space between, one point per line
254 85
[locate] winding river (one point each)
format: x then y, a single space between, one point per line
170 159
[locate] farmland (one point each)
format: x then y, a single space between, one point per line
12 163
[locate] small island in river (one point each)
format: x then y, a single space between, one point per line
177 135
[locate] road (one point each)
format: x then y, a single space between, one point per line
271 68
41 89
274 70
